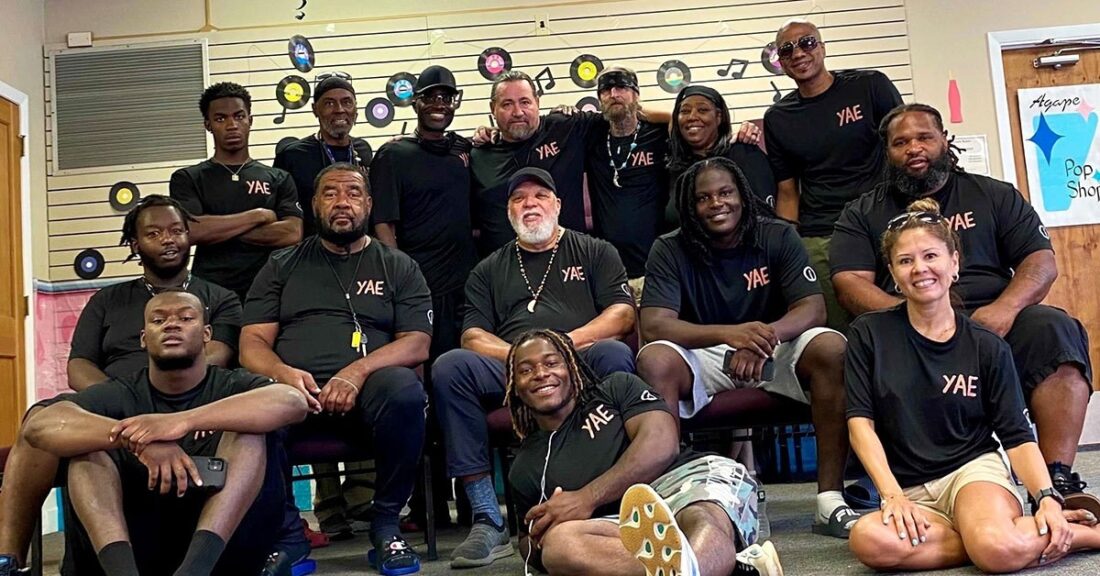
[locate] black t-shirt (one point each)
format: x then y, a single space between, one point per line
629 216
108 333
752 161
304 160
588 443
298 289
588 276
742 284
423 188
557 147
134 395
997 227
207 189
935 405
830 143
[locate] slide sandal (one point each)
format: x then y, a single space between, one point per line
862 495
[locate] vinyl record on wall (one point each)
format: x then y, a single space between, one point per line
123 196
769 57
292 92
379 112
88 264
673 76
493 62
588 104
584 70
301 53
400 87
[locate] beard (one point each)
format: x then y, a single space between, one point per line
919 186
538 233
150 263
340 237
519 133
622 111
172 364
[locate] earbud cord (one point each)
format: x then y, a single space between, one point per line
542 498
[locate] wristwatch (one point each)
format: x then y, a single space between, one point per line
1052 493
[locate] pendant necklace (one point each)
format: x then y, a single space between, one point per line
234 175
326 152
523 271
153 290
359 336
611 157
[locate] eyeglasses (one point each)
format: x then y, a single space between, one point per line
444 98
807 43
904 218
334 74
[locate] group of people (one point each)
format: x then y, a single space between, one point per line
723 259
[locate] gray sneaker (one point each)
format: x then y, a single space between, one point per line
481 547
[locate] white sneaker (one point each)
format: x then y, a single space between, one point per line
758 560
648 531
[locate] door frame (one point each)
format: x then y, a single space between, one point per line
23 102
1002 40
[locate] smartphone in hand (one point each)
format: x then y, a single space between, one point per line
767 373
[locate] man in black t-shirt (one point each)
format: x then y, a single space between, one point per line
822 143
549 277
243 209
598 450
129 445
1007 269
731 291
421 191
345 319
106 341
336 111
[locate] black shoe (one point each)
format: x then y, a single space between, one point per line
9 566
394 557
283 564
1072 488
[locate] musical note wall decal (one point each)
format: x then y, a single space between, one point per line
778 95
736 74
550 82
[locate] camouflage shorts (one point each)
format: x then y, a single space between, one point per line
714 479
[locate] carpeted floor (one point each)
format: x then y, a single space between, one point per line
789 507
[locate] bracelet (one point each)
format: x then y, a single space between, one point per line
344 380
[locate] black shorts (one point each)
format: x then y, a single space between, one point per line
161 526
1042 339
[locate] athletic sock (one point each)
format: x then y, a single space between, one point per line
117 559
828 501
689 564
382 528
203 553
483 500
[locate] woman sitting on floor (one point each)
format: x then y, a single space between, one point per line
927 388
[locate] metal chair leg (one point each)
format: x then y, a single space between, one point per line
429 511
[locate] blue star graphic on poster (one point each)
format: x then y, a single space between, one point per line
1044 137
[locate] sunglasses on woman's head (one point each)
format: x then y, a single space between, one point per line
901 219
807 43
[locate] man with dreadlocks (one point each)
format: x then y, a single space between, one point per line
106 342
1007 269
597 450
730 292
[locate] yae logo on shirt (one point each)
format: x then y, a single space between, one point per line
757 277
960 385
258 187
572 273
962 221
849 114
372 287
641 158
596 419
547 150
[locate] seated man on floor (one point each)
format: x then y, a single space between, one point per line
1007 269
549 277
732 301
106 340
596 451
345 319
133 447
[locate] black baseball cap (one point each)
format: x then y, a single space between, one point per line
531 174
617 76
433 77
332 81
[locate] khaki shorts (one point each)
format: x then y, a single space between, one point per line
709 371
637 285
938 496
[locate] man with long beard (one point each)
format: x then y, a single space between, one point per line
345 319
1007 269
549 277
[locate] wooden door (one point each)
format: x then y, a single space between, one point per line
12 308
1075 247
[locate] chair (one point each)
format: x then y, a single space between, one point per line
314 448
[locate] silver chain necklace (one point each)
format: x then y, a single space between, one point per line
523 271
233 175
153 290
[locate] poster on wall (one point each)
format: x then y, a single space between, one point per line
1062 152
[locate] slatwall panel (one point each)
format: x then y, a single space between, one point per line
638 34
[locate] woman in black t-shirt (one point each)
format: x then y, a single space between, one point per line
927 388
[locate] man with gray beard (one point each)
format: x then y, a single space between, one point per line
549 277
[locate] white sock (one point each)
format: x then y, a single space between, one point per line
827 502
689 564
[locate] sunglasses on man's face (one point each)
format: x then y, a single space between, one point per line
807 43
902 219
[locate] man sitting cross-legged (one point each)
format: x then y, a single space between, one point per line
733 279
589 444
129 445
